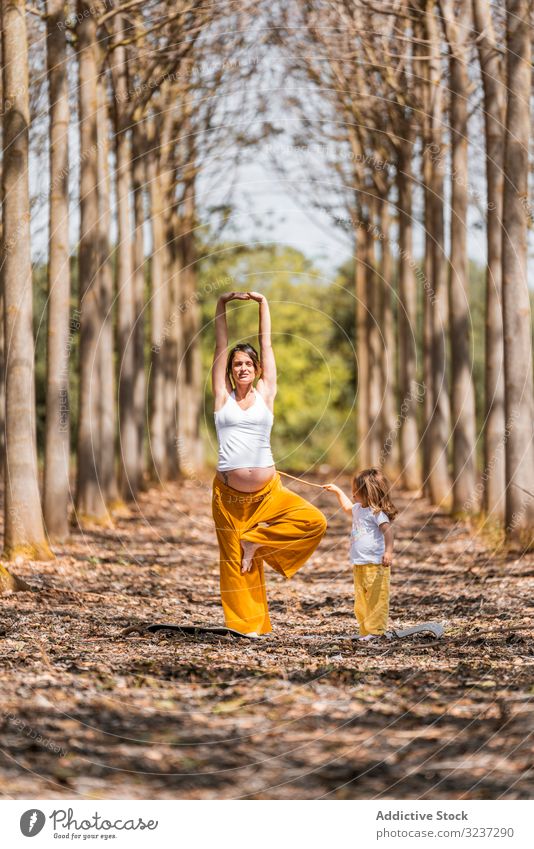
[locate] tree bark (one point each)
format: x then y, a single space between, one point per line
138 185
421 68
173 272
106 348
408 388
374 374
24 531
2 379
2 349
439 429
57 433
90 503
494 478
390 442
172 344
165 270
129 444
190 370
462 390
428 310
519 390
362 345
158 309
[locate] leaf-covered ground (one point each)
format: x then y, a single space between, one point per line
89 712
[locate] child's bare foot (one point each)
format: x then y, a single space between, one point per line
248 553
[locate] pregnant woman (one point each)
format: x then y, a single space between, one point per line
256 518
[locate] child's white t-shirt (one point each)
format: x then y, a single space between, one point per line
367 543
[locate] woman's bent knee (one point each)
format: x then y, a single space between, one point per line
320 522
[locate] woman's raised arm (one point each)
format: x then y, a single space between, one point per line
218 373
268 362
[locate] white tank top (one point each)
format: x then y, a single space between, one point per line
244 435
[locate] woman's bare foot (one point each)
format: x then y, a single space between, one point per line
248 553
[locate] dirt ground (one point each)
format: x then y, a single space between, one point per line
89 712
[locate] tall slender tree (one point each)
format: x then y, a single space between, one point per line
90 497
107 414
390 459
57 434
519 387
374 285
24 530
407 322
2 352
439 425
190 367
362 342
129 473
158 308
462 388
138 187
491 66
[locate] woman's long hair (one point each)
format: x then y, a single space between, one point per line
376 487
246 349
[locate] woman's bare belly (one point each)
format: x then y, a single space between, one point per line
247 480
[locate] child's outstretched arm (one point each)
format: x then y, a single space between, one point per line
389 539
344 501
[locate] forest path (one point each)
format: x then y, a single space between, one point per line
87 712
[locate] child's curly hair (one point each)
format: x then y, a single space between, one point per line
375 486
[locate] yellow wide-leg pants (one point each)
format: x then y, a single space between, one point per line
371 597
287 528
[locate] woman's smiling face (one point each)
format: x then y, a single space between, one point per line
243 370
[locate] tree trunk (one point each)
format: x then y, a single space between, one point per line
462 389
172 338
106 351
57 435
129 444
390 442
24 532
90 502
2 350
190 370
428 311
158 309
494 102
2 378
362 347
519 390
410 392
171 346
439 431
374 374
138 184
421 70
166 267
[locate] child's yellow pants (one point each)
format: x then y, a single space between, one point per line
293 530
371 597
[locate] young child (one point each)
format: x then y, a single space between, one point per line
371 549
